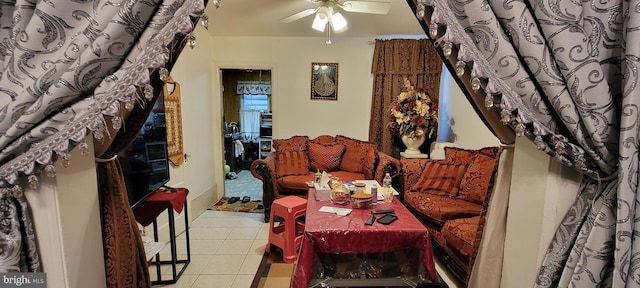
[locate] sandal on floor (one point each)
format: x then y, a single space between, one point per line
233 200
246 199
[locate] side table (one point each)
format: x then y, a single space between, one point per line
147 212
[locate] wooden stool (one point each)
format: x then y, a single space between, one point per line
285 235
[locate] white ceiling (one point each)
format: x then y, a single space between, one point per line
258 18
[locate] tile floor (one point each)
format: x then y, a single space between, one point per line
244 185
226 250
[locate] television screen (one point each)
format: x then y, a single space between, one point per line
145 163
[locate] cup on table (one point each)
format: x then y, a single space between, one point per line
387 194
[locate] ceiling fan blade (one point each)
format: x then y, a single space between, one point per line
298 15
366 7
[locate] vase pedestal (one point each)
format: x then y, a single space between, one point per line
414 155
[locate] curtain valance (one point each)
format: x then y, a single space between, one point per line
254 87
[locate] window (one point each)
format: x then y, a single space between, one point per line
255 102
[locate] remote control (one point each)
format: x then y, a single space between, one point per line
370 220
382 211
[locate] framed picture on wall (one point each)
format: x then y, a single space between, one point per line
324 81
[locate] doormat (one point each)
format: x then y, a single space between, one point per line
237 206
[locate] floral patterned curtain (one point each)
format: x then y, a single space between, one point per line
563 74
253 87
67 69
394 60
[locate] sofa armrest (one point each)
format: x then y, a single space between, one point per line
386 164
265 170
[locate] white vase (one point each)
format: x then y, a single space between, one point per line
413 144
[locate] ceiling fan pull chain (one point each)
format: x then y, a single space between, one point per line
328 42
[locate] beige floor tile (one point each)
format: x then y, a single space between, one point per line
228 222
249 222
250 264
243 281
235 246
198 262
257 247
224 264
214 281
185 281
263 233
205 246
243 233
215 233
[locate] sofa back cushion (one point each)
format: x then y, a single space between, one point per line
295 143
291 156
324 139
357 155
476 181
440 178
325 156
291 163
481 166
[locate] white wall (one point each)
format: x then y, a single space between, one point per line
290 58
193 71
66 218
468 131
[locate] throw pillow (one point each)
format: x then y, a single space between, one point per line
458 155
291 163
475 183
440 178
295 143
325 157
355 153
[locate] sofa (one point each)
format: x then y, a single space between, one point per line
294 162
450 196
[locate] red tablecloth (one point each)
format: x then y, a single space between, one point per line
330 233
160 200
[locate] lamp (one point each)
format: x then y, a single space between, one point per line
321 19
326 15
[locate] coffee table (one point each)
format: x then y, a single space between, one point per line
327 233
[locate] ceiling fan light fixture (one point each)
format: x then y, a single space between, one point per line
321 19
338 22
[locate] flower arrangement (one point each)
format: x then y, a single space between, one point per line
414 115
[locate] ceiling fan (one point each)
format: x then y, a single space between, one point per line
328 13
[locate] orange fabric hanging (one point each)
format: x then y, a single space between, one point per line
171 92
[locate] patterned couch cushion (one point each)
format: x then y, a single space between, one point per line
295 143
441 208
357 154
481 164
291 163
461 233
440 178
291 156
325 157
476 180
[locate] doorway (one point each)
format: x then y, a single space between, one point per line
246 102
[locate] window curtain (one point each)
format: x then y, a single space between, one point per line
253 87
72 69
394 60
250 124
563 74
